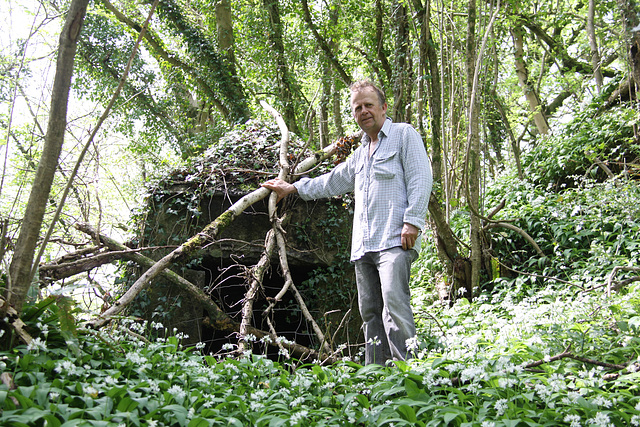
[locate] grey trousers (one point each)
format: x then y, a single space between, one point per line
385 303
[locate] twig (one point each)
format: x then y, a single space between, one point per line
568 354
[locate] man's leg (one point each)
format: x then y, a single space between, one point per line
371 304
394 267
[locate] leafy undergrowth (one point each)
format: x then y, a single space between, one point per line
553 358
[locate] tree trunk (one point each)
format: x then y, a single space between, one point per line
400 99
283 76
527 86
630 22
473 173
379 42
224 29
337 108
20 269
593 43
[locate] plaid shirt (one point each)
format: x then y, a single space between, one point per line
390 188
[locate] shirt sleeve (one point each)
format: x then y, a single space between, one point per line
340 180
417 176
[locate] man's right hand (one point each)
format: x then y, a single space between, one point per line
282 188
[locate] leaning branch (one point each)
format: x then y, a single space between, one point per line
277 226
517 230
218 319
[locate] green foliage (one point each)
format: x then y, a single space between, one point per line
494 366
584 231
591 136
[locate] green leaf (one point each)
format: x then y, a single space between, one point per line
408 413
363 400
127 405
198 422
450 416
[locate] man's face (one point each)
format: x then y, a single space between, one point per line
368 112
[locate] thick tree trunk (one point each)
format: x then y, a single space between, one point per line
224 29
20 269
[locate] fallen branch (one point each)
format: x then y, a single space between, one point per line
277 230
217 319
209 234
53 272
257 274
613 274
517 230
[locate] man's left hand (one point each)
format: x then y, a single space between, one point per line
409 235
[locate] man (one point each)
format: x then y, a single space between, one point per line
390 176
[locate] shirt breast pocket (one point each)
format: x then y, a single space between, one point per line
386 166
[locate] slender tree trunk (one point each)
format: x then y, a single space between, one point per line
20 269
380 19
474 150
630 20
593 43
283 76
527 86
337 108
400 100
515 147
325 100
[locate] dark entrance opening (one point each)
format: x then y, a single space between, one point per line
227 285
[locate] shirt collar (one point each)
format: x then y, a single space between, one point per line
384 131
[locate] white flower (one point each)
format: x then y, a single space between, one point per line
284 352
228 346
600 420
250 338
136 358
601 401
177 392
501 406
297 401
574 420
635 420
298 416
412 343
507 382
488 424
266 339
374 341
37 344
152 423
255 406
